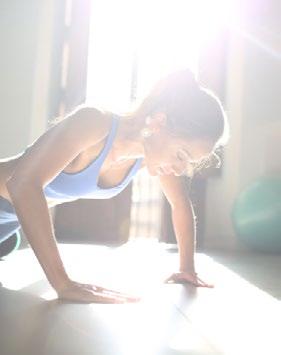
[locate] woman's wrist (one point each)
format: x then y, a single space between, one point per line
187 263
61 283
188 270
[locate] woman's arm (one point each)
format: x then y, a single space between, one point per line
176 192
42 162
184 226
175 189
45 159
32 211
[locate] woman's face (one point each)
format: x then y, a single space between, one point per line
166 154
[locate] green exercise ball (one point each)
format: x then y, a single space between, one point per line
256 215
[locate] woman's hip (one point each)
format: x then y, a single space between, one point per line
8 219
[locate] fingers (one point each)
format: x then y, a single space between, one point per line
106 291
170 279
204 284
102 298
77 292
187 278
174 279
201 283
88 296
177 278
122 294
111 297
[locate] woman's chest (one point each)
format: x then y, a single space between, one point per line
110 173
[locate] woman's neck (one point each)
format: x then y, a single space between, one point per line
128 143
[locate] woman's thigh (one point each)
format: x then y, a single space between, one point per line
8 219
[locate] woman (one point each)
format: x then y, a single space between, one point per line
95 154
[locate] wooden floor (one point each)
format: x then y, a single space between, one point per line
235 317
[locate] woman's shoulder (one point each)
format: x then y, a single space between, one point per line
84 120
89 114
83 113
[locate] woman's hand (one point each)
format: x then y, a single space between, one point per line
86 293
187 277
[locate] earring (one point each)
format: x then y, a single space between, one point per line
147 120
146 132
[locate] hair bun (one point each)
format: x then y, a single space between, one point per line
180 81
178 86
187 75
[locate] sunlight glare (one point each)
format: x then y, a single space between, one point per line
163 35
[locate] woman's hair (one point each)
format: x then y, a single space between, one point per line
192 111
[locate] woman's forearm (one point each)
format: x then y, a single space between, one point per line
33 214
185 231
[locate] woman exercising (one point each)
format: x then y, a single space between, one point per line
95 154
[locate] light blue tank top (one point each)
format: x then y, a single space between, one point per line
84 184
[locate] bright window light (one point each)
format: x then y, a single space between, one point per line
161 35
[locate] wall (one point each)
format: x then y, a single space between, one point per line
25 37
254 111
